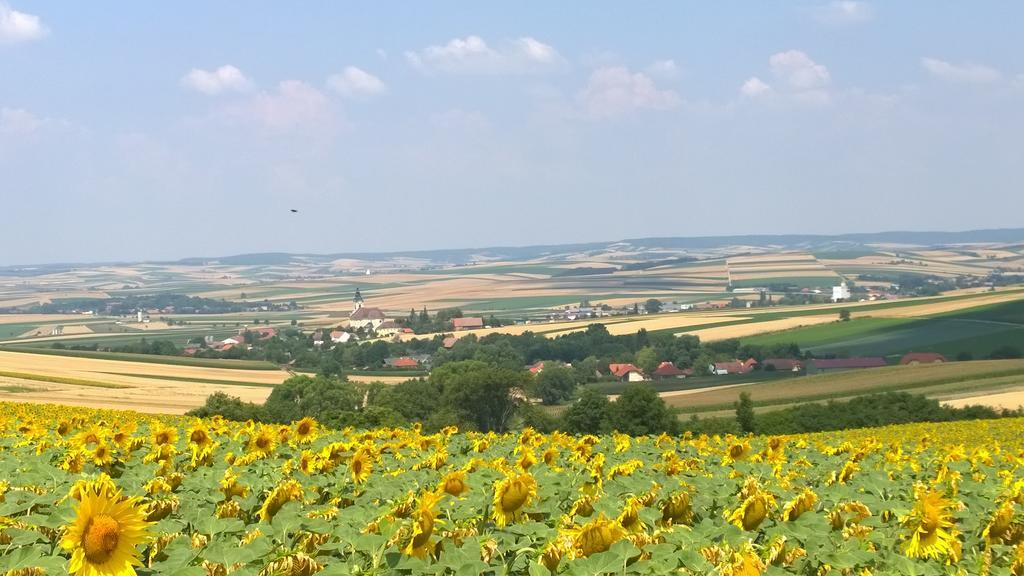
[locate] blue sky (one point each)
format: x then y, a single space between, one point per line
143 131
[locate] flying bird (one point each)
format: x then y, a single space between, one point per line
294 210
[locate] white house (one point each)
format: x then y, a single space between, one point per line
340 337
840 293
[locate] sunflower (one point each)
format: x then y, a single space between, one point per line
306 430
199 436
454 483
104 535
100 454
165 435
677 509
360 466
511 496
736 452
423 520
1001 529
754 508
287 491
261 442
933 533
802 502
595 536
91 435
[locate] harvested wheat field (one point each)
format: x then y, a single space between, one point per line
659 322
153 396
1009 400
752 328
130 373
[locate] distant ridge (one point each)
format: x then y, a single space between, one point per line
810 242
822 242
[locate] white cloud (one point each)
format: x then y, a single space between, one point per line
355 82
19 27
755 87
227 78
664 69
968 73
291 105
18 121
796 69
614 91
472 55
844 12
21 122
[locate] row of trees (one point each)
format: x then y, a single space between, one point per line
469 394
860 412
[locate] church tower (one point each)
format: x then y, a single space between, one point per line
357 301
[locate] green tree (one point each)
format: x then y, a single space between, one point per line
702 365
653 306
745 414
482 396
586 370
590 414
639 410
555 383
324 398
647 359
844 315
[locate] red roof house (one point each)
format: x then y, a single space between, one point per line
734 367
449 342
536 367
403 362
468 323
922 358
669 370
627 372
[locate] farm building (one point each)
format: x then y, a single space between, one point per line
734 367
922 358
627 372
388 328
448 342
669 370
848 363
468 323
405 362
783 364
340 336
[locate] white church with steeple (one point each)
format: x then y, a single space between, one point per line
363 316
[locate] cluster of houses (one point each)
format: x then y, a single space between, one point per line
585 310
626 372
235 340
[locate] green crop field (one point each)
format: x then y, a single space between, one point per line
823 334
951 376
797 281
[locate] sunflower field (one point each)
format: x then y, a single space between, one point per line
100 493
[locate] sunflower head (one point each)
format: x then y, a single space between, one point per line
931 532
454 483
360 466
423 518
305 430
105 534
595 536
511 496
